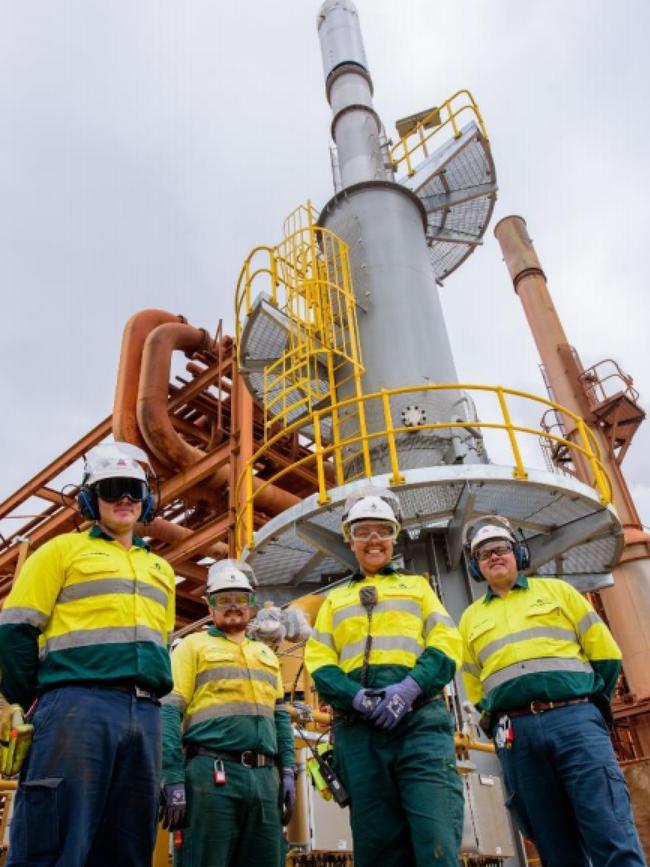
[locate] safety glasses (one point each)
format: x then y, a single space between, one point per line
223 601
114 489
364 532
498 551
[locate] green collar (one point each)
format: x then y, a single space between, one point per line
96 532
521 583
388 569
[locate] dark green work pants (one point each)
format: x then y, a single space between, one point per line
234 825
406 797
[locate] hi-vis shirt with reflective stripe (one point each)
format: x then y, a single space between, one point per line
543 641
215 678
103 612
407 620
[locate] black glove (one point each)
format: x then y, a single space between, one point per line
603 704
487 722
173 807
287 794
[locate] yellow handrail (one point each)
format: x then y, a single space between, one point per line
333 453
435 120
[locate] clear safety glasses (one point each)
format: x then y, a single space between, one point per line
364 532
114 489
498 551
223 601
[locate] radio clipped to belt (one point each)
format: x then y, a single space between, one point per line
15 740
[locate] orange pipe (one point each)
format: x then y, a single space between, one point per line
153 417
136 331
627 603
168 532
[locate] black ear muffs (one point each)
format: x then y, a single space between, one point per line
87 503
522 559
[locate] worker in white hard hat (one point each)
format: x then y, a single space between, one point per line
228 755
84 635
541 666
382 651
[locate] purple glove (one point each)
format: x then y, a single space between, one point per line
287 794
396 703
366 700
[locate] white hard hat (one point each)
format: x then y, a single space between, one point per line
230 575
372 505
489 532
114 460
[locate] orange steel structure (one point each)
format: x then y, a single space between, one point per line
200 430
608 404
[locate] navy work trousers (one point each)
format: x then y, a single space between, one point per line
567 792
88 794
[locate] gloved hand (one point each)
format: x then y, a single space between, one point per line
287 794
396 703
366 700
173 807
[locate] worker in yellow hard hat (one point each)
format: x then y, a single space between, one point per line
228 755
382 650
84 632
541 666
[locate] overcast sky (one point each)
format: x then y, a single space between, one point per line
146 147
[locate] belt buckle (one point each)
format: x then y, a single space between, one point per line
533 708
141 693
247 759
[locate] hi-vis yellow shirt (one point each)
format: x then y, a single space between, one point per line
411 634
98 611
542 641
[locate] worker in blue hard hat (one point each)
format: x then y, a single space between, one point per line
382 650
84 634
228 755
541 666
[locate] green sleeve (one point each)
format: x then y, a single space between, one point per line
19 663
173 761
609 670
335 687
433 670
286 753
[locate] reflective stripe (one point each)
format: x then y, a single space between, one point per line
386 606
175 700
523 635
471 669
436 618
283 706
534 666
103 635
17 615
382 642
233 708
105 586
324 638
587 621
232 673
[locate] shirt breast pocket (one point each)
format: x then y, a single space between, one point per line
480 635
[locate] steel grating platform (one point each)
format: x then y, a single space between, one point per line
457 187
570 533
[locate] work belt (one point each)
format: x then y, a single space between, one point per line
129 688
537 706
350 716
249 758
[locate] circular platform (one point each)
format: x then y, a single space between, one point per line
570 532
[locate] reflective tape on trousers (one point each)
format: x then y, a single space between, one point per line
382 642
103 635
106 586
555 632
534 666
